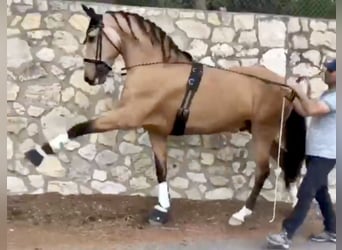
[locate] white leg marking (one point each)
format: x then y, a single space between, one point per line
58 142
163 197
239 217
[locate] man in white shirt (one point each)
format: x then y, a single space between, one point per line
320 160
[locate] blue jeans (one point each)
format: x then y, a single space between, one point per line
313 186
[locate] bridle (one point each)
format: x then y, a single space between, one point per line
99 63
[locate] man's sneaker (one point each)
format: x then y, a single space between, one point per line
324 237
278 241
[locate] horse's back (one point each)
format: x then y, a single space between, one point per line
267 96
259 72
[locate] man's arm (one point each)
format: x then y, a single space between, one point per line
309 107
298 107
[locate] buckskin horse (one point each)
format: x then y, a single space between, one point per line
169 94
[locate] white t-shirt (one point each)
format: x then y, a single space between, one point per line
321 136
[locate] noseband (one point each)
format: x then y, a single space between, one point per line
99 63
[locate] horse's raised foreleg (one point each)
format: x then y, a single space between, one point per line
160 211
262 138
115 119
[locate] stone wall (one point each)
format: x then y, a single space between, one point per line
46 94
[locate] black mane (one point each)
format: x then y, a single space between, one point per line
156 34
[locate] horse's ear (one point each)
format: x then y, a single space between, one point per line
85 8
89 11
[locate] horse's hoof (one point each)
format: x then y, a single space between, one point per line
158 218
235 221
34 157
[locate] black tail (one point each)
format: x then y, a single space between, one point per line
295 134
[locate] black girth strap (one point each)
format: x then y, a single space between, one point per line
191 88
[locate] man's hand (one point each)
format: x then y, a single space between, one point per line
297 87
306 106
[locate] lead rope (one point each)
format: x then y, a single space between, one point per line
278 170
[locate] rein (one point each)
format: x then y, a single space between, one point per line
291 97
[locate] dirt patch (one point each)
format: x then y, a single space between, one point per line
51 221
128 211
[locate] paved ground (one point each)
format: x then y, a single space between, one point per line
53 222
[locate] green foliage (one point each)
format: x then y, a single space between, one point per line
314 8
306 8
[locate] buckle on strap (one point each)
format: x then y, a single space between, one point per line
183 112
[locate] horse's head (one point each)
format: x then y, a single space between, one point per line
102 46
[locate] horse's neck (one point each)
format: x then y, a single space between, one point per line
141 52
135 55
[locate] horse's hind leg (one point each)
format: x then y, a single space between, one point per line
263 137
293 186
160 211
